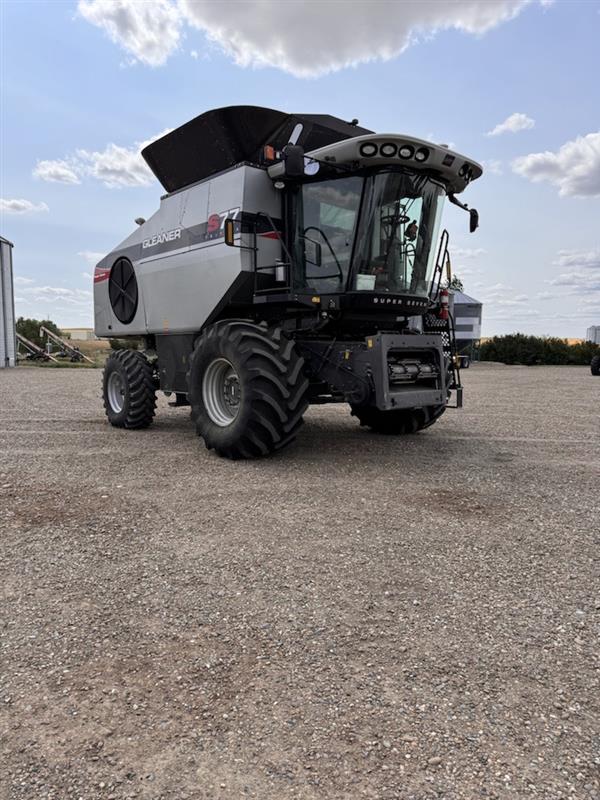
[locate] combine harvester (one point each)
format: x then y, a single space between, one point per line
293 260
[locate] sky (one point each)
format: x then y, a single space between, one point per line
512 84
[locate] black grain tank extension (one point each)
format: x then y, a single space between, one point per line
224 137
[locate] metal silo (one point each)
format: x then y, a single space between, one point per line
8 348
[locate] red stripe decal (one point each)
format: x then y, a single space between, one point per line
270 235
101 275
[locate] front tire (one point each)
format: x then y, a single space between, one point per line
595 365
129 390
397 423
247 389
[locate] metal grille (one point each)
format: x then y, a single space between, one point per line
432 324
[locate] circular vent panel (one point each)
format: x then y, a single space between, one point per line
123 290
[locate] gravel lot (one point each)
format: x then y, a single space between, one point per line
359 616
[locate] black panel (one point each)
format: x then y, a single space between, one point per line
173 351
221 138
123 290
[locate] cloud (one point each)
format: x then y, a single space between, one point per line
58 294
285 35
502 295
582 277
150 31
55 172
20 281
114 166
578 258
91 257
467 252
21 206
492 166
574 168
516 122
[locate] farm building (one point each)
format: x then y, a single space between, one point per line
593 334
79 334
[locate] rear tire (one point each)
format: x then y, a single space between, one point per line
595 365
397 423
247 389
129 390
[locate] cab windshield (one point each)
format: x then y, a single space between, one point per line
368 234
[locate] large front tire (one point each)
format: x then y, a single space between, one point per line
247 389
595 365
129 390
398 423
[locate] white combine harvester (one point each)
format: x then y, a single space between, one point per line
295 259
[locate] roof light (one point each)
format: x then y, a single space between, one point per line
388 149
422 154
406 151
368 149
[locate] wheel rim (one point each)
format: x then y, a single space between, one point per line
221 392
115 391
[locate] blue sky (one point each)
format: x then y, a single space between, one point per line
83 85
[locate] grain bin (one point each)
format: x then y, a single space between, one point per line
7 306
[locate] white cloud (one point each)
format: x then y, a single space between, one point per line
578 282
582 277
61 303
87 275
91 257
55 172
150 31
114 166
492 166
20 281
58 294
516 122
467 252
578 258
502 295
574 168
21 206
286 35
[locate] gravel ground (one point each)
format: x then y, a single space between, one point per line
359 616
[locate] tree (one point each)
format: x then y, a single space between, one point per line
455 283
518 348
30 329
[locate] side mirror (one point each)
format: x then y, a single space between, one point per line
229 228
293 158
473 220
313 252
